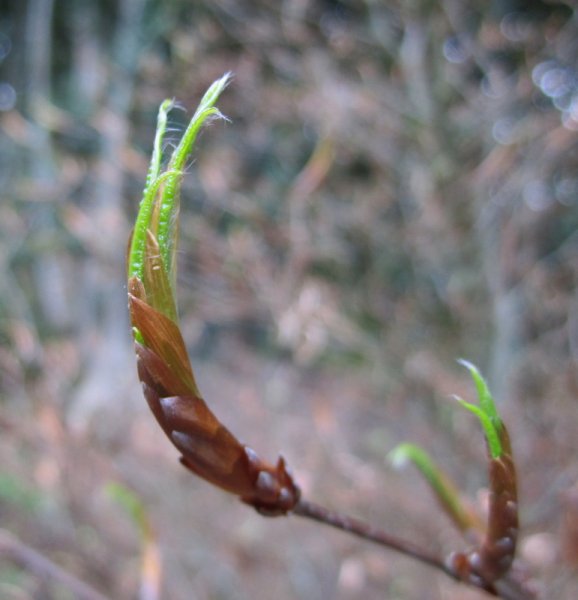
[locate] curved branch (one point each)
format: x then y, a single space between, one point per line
366 531
509 588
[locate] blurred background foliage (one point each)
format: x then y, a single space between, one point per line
397 188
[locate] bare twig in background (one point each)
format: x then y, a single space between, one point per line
15 551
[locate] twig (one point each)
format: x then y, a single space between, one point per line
19 553
508 588
368 532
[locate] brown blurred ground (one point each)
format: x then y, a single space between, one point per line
396 188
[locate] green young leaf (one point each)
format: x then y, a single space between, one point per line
156 158
158 211
169 204
207 447
491 433
136 252
484 396
486 412
443 488
136 255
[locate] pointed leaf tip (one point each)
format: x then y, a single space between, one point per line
484 395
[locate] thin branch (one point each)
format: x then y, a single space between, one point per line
368 532
27 558
509 588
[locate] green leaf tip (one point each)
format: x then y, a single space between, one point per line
486 412
159 207
405 453
484 395
205 110
443 488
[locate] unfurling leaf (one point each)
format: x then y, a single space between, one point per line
207 447
494 556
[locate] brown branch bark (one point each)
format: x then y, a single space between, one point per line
510 588
366 531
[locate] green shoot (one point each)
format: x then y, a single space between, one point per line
169 205
159 207
152 186
443 488
486 411
137 249
485 397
